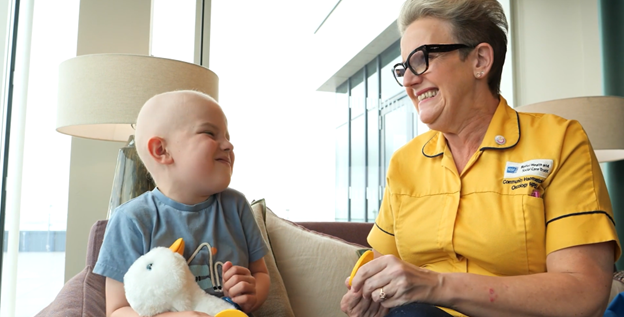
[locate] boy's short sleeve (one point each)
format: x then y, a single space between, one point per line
257 249
122 245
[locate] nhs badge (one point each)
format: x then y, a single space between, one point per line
540 168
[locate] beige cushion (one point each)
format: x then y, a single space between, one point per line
277 303
314 266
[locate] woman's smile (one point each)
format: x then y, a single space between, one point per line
427 94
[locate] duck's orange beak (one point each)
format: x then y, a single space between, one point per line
178 246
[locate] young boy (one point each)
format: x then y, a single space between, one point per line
183 140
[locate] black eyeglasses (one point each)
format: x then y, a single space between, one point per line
418 60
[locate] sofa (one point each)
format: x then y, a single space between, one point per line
308 263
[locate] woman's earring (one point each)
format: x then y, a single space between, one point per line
479 74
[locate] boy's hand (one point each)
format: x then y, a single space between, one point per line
240 286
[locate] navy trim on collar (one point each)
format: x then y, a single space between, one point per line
504 148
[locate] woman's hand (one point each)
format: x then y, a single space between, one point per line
355 305
400 281
240 286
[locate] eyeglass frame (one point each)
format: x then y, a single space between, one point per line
426 49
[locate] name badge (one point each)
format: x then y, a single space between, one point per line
539 168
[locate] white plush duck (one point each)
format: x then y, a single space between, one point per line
161 281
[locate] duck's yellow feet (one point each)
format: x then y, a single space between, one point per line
231 313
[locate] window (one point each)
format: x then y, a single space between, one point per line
382 119
173 30
45 170
361 153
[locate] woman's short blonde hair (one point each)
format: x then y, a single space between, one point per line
473 22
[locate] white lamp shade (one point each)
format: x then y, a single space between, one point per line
602 118
100 95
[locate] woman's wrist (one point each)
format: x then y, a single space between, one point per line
446 292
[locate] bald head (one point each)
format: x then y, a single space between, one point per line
165 114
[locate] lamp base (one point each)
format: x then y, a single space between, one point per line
131 177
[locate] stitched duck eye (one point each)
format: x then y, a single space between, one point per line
149 267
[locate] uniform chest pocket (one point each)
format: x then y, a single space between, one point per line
503 234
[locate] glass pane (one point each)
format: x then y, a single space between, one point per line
389 86
390 54
373 153
173 29
5 49
419 127
358 169
341 114
373 165
46 159
397 131
6 28
358 94
372 94
342 173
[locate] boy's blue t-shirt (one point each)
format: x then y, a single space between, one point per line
222 225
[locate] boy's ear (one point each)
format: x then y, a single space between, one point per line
157 148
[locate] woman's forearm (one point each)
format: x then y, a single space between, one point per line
544 294
575 289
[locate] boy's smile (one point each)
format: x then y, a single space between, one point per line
225 160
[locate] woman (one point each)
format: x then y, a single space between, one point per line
492 212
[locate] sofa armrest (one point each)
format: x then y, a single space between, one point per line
82 295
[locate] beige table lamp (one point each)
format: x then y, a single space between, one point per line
602 117
100 96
